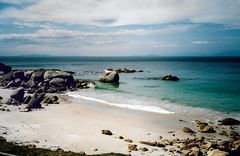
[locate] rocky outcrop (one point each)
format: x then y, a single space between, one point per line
126 70
109 76
170 78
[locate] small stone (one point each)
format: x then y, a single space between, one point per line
150 143
121 137
132 147
106 132
230 121
143 149
128 140
208 129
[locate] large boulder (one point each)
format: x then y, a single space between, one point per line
5 68
18 95
51 74
37 76
109 77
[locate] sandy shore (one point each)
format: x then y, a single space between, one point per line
76 126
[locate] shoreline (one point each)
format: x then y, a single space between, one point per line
76 126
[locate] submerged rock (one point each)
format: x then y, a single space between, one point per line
109 77
170 78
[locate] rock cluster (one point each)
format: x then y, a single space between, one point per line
41 80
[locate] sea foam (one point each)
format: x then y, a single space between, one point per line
154 109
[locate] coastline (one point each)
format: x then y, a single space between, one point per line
76 126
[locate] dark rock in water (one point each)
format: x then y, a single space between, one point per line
18 95
1 98
230 121
149 143
233 134
5 68
170 78
132 147
109 77
84 84
35 102
27 99
106 132
188 130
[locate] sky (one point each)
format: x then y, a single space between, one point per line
120 27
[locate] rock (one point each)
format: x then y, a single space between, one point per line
132 147
84 84
109 77
35 102
188 130
48 100
18 74
9 76
128 140
233 134
170 78
217 152
1 98
59 82
36 78
18 95
5 68
236 145
12 84
149 143
106 132
121 137
230 121
208 129
143 149
27 99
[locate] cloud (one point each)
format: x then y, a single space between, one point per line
125 12
201 42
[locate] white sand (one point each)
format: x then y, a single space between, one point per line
75 126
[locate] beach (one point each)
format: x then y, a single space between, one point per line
75 126
55 109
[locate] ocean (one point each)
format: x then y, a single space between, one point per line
207 84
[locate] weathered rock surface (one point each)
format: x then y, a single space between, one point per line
132 147
109 77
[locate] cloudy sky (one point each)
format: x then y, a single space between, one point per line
120 27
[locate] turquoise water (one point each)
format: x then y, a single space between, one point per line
207 82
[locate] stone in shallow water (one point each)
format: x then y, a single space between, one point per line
230 121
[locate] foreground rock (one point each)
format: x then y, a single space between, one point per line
170 78
217 152
109 76
16 98
35 101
